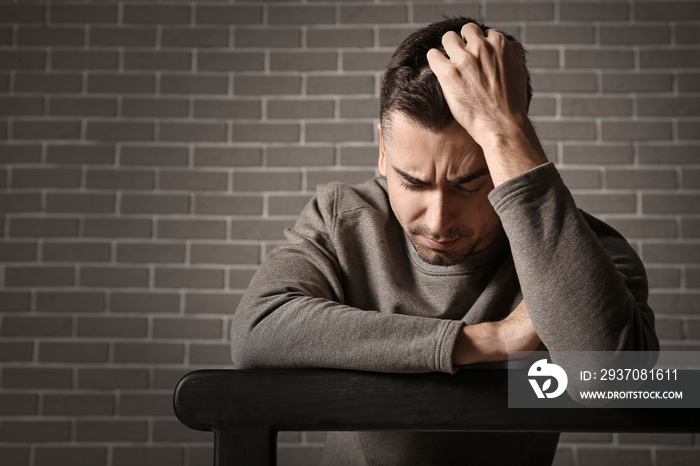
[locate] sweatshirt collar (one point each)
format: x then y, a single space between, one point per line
474 262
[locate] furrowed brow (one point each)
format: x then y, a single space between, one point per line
470 177
407 177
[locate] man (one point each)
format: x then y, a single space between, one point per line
468 247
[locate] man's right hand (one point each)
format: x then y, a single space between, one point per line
492 341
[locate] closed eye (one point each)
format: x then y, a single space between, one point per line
469 178
411 186
410 179
464 185
468 192
410 182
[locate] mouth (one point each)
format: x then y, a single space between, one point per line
439 245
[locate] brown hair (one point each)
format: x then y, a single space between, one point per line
410 86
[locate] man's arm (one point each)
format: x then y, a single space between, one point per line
293 313
484 81
492 341
584 285
571 282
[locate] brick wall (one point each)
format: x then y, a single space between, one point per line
152 151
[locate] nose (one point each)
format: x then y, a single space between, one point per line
439 216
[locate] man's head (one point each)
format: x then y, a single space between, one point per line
411 88
437 176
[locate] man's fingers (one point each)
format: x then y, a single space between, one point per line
472 40
471 30
453 44
479 42
496 38
436 59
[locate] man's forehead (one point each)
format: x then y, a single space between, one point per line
414 149
402 130
404 121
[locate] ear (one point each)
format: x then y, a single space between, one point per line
382 153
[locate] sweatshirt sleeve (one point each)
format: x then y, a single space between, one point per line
585 290
292 314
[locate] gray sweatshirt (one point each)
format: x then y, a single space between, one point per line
349 291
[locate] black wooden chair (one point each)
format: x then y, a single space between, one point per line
245 409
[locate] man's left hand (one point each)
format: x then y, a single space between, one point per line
484 80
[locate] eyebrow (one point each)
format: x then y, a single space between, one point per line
456 182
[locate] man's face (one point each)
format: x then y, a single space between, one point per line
438 185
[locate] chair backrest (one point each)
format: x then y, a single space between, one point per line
245 409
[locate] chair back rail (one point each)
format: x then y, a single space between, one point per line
246 408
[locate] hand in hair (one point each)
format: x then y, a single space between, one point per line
484 80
